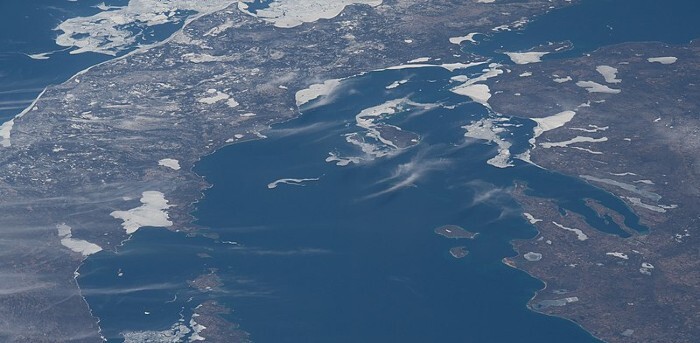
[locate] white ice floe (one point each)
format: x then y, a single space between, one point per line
170 163
76 245
293 182
479 92
469 38
624 174
447 66
594 87
579 234
214 96
203 58
109 32
533 256
638 202
420 60
197 329
525 57
231 102
531 218
591 128
663 60
6 127
341 161
487 129
316 91
525 74
292 13
369 120
562 79
180 331
646 268
626 186
552 122
543 125
217 30
609 73
153 212
590 151
5 132
104 7
395 84
526 157
577 139
618 255
40 56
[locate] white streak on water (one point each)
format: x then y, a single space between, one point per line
407 174
293 182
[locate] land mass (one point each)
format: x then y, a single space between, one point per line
625 119
111 150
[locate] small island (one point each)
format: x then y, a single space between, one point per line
455 232
459 252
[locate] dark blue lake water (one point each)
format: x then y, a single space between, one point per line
346 258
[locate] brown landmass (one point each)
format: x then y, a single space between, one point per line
644 288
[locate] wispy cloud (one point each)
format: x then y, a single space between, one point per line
407 174
487 193
315 127
291 252
127 290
